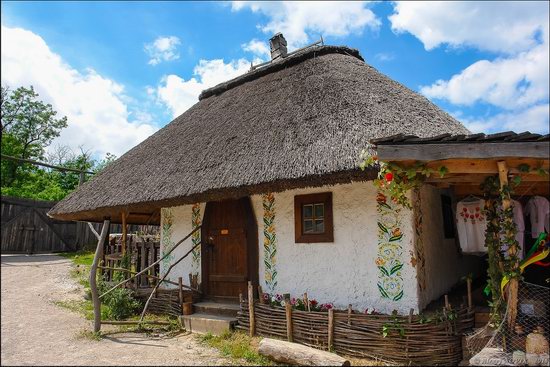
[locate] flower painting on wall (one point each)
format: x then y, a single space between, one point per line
390 249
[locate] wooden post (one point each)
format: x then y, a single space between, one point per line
261 294
349 314
180 290
447 304
513 285
306 302
288 311
330 329
251 309
124 232
93 275
240 298
469 285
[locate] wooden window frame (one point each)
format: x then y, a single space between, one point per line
299 202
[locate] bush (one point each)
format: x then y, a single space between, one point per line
120 303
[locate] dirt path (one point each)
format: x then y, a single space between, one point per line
37 332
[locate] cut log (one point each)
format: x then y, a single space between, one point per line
297 354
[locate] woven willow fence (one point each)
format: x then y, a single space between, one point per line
409 340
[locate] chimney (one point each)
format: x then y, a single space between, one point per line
277 43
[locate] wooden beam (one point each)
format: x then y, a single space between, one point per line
535 188
488 166
480 177
432 152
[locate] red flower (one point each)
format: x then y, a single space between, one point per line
389 176
464 209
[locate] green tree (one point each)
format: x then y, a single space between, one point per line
28 126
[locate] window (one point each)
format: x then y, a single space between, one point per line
313 218
448 217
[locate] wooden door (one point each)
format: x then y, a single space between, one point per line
230 251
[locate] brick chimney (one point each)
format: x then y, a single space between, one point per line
277 43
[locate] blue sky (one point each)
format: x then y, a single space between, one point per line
121 70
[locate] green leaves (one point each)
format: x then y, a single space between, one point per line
396 268
396 238
382 227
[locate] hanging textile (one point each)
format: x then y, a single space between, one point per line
538 209
520 225
471 225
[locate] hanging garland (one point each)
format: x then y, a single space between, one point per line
396 181
492 241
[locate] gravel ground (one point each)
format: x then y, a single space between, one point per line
37 332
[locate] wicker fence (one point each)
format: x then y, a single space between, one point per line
408 340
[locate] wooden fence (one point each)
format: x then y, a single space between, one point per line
26 228
398 339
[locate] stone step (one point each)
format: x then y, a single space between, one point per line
216 308
201 323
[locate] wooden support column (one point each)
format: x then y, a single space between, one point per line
93 274
124 232
251 308
513 285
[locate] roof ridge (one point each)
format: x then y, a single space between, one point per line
298 57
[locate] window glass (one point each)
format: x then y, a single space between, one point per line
308 211
319 210
308 226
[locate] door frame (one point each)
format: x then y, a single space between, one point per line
251 228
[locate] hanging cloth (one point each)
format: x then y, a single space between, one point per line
538 209
520 225
471 225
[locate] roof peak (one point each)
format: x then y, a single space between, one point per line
292 59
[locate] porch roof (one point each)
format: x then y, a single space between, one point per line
469 159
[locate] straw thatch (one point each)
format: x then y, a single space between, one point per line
298 122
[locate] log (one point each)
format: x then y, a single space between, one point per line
297 354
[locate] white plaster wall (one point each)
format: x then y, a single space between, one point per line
344 271
341 272
444 264
181 227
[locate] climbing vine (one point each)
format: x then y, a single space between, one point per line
396 181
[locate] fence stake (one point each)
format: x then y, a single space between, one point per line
330 329
288 311
261 294
306 302
469 284
180 290
349 314
251 308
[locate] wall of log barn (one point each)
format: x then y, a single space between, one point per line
347 271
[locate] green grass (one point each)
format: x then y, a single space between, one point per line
82 307
237 345
80 257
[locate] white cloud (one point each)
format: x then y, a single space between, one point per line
500 26
257 48
384 56
516 80
180 94
98 116
510 83
163 49
300 20
534 119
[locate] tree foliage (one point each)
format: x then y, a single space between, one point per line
28 127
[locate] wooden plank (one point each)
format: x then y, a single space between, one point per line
432 152
330 329
487 166
227 278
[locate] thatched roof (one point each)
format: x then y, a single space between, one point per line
298 122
